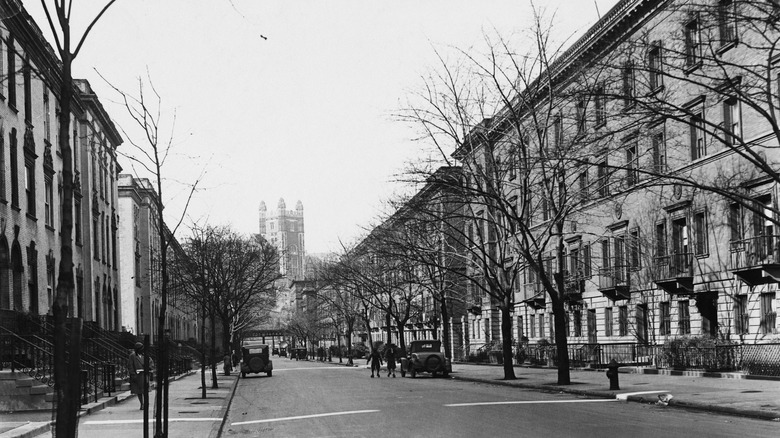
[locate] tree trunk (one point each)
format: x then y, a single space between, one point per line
349 343
506 340
213 318
445 322
203 354
561 343
67 385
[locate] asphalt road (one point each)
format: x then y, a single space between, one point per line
309 399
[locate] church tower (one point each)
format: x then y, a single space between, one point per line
285 230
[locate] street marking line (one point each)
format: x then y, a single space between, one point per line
302 417
312 368
530 402
151 420
625 395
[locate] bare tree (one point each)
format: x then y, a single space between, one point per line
151 154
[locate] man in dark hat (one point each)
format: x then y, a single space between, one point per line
138 376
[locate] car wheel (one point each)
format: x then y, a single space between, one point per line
445 374
403 373
243 375
412 373
432 363
270 373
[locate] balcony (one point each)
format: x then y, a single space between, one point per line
614 282
674 273
574 286
756 260
534 296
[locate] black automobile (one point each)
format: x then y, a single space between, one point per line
255 360
425 356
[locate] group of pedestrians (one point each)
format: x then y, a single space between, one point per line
375 359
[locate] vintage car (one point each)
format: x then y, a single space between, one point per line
425 356
255 359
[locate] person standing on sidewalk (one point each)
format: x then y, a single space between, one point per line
390 359
138 376
375 359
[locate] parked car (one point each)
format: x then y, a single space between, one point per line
255 360
275 352
425 356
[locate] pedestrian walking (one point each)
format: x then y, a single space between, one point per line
139 377
390 359
228 365
375 359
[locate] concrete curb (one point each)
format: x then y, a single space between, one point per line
216 430
750 413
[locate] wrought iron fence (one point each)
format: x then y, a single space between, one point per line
757 359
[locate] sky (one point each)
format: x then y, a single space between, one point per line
286 99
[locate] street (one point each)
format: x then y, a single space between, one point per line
311 399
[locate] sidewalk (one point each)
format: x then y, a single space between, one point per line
118 416
725 393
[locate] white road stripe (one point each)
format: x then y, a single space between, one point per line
625 395
312 368
301 417
151 420
531 402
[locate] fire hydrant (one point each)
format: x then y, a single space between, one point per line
612 374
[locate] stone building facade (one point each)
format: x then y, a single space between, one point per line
31 182
141 269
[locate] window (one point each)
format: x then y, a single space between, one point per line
2 68
46 115
541 326
700 232
558 131
2 160
532 325
623 320
692 44
49 202
736 226
546 213
582 124
768 316
629 84
27 86
632 165
606 261
577 323
552 326
586 270
11 78
608 321
732 121
77 221
727 23
600 107
665 314
603 178
29 187
698 146
659 151
95 238
583 184
654 66
683 318
741 318
634 254
512 164
14 168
